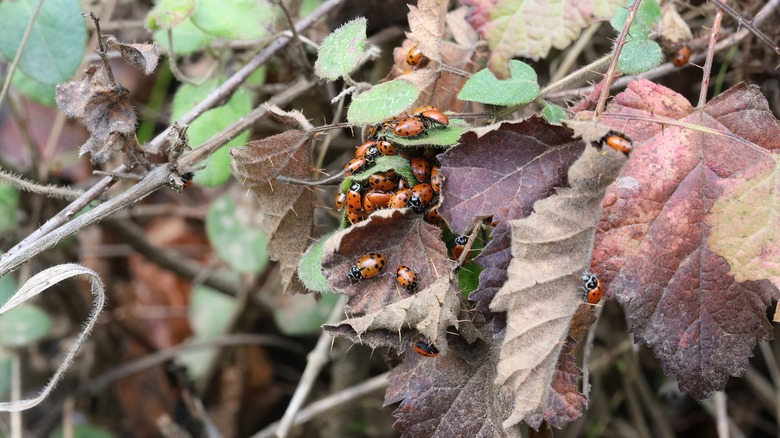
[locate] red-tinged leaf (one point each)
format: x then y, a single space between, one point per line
429 313
105 111
550 250
530 29
446 396
287 209
404 239
508 168
652 250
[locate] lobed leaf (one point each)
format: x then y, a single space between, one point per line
520 88
341 51
653 248
511 167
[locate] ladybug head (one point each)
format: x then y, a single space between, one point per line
371 154
461 240
354 274
411 286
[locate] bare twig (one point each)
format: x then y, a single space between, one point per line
705 80
22 44
748 25
331 402
102 48
616 56
316 360
52 191
296 37
587 350
721 414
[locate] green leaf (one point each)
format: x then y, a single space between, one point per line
8 288
187 38
57 41
167 14
639 56
23 325
438 136
341 51
310 266
9 201
210 312
468 275
554 114
520 88
5 373
38 92
243 246
299 315
383 164
217 170
648 15
83 431
381 102
236 19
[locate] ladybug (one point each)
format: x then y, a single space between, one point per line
409 127
426 349
460 245
341 200
431 115
355 165
354 218
363 148
436 178
374 199
618 142
373 132
421 168
354 202
592 288
422 194
406 278
186 179
386 148
380 181
682 56
367 266
400 198
414 57
433 217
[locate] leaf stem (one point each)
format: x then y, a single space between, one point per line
102 48
705 80
621 41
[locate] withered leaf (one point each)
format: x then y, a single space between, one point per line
429 312
404 239
652 249
550 250
105 111
427 21
287 209
513 166
144 56
446 396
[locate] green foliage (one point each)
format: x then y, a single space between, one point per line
383 164
554 113
187 38
381 102
234 20
310 266
437 136
300 315
242 246
83 431
468 276
168 14
341 51
57 41
639 56
648 15
209 313
38 92
23 325
520 88
217 171
5 373
9 201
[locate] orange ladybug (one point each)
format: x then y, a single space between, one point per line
414 57
386 148
682 56
354 202
381 181
592 288
421 195
374 199
355 165
437 179
406 278
426 349
431 115
409 127
341 200
367 266
460 245
186 179
618 142
421 168
400 198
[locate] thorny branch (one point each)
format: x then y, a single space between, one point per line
705 81
748 25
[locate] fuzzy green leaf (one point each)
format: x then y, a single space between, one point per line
381 102
234 20
301 315
310 267
243 246
520 88
167 14
639 56
341 51
187 38
438 136
554 113
38 92
9 200
648 15
23 325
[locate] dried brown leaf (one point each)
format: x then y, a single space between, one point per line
401 236
287 209
105 111
652 250
144 56
511 167
293 118
550 250
427 23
